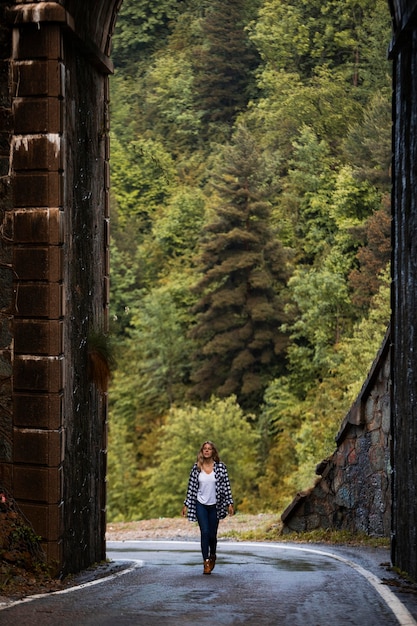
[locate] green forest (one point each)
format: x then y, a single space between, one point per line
250 240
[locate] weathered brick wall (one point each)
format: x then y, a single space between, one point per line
354 491
54 269
38 263
6 268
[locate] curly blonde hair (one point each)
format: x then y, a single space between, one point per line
215 454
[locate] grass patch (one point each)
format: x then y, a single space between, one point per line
342 537
328 536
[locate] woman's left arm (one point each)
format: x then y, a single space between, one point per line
228 489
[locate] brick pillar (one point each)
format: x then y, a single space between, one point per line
60 268
6 268
38 434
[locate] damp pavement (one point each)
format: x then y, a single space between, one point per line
162 582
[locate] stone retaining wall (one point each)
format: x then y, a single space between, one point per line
354 491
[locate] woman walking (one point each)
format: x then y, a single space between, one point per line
209 499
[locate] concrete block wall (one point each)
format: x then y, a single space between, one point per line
354 491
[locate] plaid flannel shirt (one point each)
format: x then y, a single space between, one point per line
223 491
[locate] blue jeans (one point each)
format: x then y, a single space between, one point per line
208 522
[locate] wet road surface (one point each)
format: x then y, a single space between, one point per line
252 584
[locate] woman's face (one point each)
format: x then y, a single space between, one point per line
207 451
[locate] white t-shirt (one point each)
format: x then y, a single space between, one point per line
206 493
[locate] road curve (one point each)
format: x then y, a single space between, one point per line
252 584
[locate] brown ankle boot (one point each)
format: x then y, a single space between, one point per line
207 567
212 560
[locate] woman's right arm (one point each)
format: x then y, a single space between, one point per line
191 490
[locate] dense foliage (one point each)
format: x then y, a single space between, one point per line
250 239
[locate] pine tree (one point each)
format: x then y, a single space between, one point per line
243 269
142 26
224 63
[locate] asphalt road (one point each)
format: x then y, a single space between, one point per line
252 584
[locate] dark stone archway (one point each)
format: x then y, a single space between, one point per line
54 271
404 292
